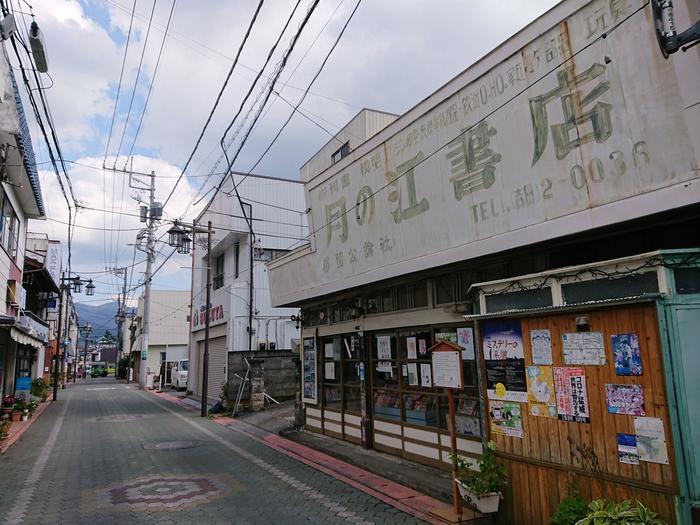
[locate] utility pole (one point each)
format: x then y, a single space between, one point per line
205 360
121 314
57 362
150 254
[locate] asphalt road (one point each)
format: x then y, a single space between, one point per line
109 453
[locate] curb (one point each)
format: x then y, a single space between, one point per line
394 494
24 426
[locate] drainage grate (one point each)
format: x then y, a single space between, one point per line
169 445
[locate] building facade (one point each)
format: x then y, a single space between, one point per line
242 318
168 331
22 335
553 152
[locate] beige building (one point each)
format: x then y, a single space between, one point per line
168 330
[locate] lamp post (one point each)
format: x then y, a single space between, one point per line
178 237
85 331
67 284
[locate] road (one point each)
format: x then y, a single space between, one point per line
109 453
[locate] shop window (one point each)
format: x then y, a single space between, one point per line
341 380
600 289
420 409
372 304
467 421
387 404
388 301
352 399
402 297
687 280
521 300
419 292
315 316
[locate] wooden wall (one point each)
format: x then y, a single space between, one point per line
542 461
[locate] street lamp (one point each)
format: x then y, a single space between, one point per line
77 285
179 238
90 288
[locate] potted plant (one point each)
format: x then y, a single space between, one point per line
8 404
483 488
40 389
5 425
22 407
32 405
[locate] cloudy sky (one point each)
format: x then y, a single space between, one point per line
393 54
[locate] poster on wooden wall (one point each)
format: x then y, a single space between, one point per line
506 418
571 395
627 449
541 345
651 440
628 359
540 391
625 399
310 380
505 361
583 348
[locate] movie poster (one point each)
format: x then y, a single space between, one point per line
505 361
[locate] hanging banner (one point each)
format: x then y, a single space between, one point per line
540 391
505 361
310 378
583 348
572 398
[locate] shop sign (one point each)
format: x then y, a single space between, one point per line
52 262
532 141
217 315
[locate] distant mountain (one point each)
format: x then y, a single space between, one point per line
102 317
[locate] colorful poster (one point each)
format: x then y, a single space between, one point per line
627 449
426 378
413 374
328 350
310 380
411 347
571 395
330 370
583 348
651 440
505 361
541 345
506 418
384 348
628 359
465 339
540 391
422 347
625 399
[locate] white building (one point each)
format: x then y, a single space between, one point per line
21 336
277 209
168 331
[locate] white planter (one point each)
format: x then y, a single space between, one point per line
485 504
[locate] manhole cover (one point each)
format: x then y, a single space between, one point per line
169 445
120 418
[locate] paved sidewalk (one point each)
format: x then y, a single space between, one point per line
109 453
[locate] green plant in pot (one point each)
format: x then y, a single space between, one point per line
5 425
32 406
482 488
40 389
22 406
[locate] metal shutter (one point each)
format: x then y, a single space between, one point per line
218 362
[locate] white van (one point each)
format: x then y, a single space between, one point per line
178 374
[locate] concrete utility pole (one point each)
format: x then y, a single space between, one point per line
205 359
121 315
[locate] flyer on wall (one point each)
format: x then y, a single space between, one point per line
506 418
411 347
628 358
383 348
505 361
625 399
571 394
583 348
465 339
540 391
541 345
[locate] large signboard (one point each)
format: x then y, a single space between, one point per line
569 123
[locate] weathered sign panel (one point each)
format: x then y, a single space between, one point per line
568 123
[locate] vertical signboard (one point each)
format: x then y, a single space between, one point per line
310 373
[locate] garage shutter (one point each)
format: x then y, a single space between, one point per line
218 357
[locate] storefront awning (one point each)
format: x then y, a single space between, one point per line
25 339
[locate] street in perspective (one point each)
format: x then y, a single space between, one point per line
350 262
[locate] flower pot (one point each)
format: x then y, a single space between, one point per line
485 504
16 416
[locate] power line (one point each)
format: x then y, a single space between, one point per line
136 82
119 85
153 80
218 98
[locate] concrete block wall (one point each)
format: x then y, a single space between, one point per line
279 373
